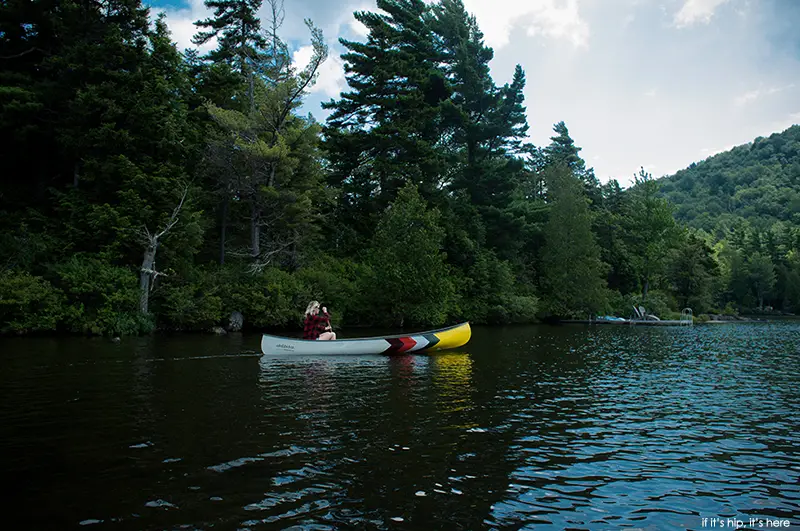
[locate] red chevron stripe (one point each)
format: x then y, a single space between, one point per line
407 344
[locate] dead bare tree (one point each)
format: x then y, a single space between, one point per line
148 273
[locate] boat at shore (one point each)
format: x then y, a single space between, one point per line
433 340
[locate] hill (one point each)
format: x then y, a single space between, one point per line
758 182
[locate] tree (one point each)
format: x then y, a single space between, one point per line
410 281
562 149
237 28
151 241
257 153
762 276
386 130
484 125
652 231
572 272
692 272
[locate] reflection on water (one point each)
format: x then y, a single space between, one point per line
452 379
568 427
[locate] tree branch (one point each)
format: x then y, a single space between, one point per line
174 217
26 52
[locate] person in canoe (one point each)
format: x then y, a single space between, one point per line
317 324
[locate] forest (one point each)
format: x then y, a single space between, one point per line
147 188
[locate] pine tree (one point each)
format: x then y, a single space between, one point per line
651 228
237 28
386 131
562 149
257 153
572 272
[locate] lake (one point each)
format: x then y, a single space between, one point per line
579 427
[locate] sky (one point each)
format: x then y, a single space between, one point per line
657 84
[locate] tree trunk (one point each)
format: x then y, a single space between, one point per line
252 92
255 231
223 229
145 277
272 169
75 176
644 290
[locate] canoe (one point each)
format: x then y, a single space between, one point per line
444 338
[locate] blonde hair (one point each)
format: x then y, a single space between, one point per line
311 307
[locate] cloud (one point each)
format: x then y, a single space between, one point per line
667 98
181 24
331 80
759 93
358 27
696 11
550 18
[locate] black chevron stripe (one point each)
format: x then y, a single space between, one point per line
432 340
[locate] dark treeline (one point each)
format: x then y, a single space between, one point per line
148 188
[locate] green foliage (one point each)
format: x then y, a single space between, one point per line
337 284
271 298
572 276
659 303
103 299
762 276
758 182
562 150
191 305
652 230
28 303
418 202
692 271
410 280
387 130
488 293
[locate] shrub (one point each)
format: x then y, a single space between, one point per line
270 298
28 303
192 305
103 299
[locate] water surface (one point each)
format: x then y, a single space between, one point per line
526 427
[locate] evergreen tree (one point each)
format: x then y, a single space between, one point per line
572 272
410 281
652 231
611 227
256 151
762 277
386 131
692 272
562 149
485 124
237 28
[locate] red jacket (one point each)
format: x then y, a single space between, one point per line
314 325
